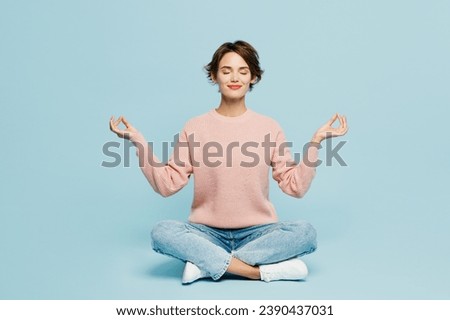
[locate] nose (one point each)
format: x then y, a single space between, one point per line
234 77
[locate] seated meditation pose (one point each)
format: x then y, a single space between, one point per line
230 151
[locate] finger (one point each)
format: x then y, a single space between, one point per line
341 127
333 119
125 122
111 125
114 123
343 130
117 122
341 121
335 132
115 129
345 126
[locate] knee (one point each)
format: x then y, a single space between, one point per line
309 231
163 231
302 229
305 233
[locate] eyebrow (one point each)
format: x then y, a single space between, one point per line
228 67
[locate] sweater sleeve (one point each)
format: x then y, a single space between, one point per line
166 179
294 179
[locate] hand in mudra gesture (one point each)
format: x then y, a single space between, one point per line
327 130
127 132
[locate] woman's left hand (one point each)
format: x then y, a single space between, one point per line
327 131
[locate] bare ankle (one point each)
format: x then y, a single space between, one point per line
242 269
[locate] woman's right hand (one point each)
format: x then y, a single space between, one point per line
129 129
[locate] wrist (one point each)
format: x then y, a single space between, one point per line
316 140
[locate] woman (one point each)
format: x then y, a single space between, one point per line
233 227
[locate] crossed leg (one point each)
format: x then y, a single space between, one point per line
276 245
277 242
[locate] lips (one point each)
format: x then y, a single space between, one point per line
234 87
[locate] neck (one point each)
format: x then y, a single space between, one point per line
231 107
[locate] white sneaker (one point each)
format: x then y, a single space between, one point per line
192 273
293 269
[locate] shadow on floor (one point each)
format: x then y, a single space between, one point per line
166 269
174 269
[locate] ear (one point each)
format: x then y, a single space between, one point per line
213 78
254 80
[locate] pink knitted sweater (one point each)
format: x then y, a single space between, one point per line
230 158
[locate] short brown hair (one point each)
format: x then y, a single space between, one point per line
242 48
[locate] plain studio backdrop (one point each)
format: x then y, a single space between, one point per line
74 229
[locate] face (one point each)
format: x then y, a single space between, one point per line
233 76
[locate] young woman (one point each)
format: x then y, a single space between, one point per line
233 227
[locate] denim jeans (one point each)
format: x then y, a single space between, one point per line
211 249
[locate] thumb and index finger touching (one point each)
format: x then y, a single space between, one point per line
113 124
125 133
338 131
342 120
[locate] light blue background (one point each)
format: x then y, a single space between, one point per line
72 229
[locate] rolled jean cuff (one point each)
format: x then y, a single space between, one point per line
219 274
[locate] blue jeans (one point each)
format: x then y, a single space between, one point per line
211 249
